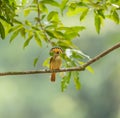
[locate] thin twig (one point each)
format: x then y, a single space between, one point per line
81 68
41 26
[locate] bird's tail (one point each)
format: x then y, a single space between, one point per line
53 76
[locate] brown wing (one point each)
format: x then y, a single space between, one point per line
50 62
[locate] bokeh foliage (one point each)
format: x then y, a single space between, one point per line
47 27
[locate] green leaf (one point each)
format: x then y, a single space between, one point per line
43 8
50 27
63 5
23 2
65 81
66 44
72 12
84 13
37 38
46 62
71 35
53 16
73 28
115 17
4 19
27 22
27 11
90 69
35 1
114 1
17 21
72 5
80 53
75 8
100 12
82 4
14 35
77 83
43 16
27 41
50 33
97 23
55 34
71 32
35 61
50 2
2 31
35 28
76 80
22 32
15 28
59 35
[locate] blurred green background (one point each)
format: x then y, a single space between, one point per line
34 96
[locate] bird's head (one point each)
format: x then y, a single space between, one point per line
56 51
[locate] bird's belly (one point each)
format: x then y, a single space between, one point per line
56 64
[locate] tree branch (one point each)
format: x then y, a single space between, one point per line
81 68
41 25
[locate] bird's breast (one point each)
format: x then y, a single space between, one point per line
56 62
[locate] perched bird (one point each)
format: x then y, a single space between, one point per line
55 61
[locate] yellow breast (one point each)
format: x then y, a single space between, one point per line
55 63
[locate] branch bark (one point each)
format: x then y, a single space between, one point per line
80 68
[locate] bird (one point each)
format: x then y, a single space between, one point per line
55 61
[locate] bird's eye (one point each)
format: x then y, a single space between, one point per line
57 52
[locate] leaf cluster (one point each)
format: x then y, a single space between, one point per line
100 9
7 15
